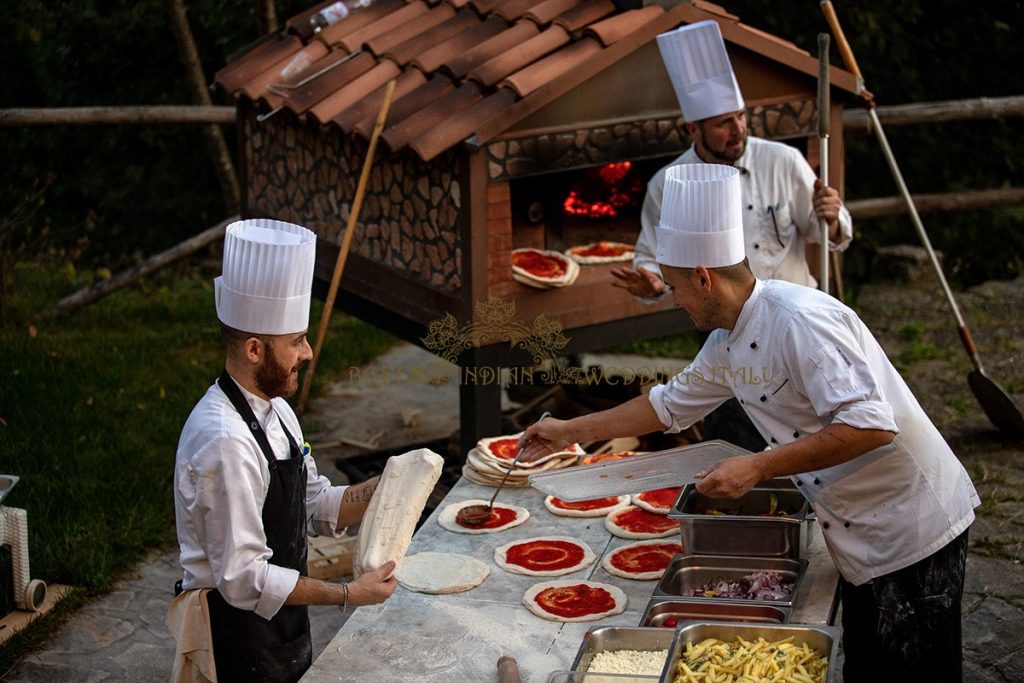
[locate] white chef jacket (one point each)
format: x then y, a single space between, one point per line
798 360
221 480
777 187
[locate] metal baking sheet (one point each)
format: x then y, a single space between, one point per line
661 469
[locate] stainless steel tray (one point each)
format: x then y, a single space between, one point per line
687 572
745 532
825 639
673 612
662 469
603 638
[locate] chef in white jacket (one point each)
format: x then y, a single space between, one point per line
893 502
246 491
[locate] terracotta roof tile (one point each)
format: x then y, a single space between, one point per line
412 28
519 56
483 7
525 81
335 32
415 100
584 14
369 106
299 24
356 39
333 104
506 40
311 92
613 28
255 62
283 71
510 10
459 44
714 9
276 93
431 116
460 126
545 11
418 45
457 4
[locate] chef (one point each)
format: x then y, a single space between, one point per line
246 490
893 502
782 199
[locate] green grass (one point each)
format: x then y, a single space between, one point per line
682 345
91 407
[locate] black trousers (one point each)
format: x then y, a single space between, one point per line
905 626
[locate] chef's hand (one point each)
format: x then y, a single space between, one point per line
826 206
373 587
640 282
544 437
729 478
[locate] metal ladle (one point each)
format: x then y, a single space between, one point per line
475 515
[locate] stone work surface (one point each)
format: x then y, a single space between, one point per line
632 140
308 174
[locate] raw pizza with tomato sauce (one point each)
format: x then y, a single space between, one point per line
602 457
601 252
643 560
595 507
502 450
574 600
544 556
502 517
543 269
659 501
636 523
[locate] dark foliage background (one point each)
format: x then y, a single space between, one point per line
111 195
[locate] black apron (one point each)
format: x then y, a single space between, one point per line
247 647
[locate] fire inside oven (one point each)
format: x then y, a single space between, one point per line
569 208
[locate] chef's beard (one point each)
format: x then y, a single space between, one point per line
726 155
273 379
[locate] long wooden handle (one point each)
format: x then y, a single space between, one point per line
346 242
508 670
841 43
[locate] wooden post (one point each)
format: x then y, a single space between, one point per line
105 287
197 84
266 15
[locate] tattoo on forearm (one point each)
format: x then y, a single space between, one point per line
357 494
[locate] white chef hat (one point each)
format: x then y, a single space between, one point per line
700 70
701 217
267 277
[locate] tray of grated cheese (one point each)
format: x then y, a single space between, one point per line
619 654
732 652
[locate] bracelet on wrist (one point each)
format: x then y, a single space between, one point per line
344 606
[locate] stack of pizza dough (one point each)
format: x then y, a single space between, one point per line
488 462
543 269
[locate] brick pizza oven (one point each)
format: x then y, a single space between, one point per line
502 108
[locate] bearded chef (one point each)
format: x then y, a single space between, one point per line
782 199
246 490
893 502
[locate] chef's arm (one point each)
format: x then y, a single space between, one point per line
354 502
369 589
835 444
632 418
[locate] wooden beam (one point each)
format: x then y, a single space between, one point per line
856 120
93 116
884 207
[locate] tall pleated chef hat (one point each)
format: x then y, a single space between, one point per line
701 217
267 277
700 70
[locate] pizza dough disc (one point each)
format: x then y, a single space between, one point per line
596 512
483 450
650 507
612 526
441 573
567 278
447 517
606 561
629 251
500 557
530 599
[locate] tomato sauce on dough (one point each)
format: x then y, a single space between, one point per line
663 499
592 504
499 517
539 265
645 558
575 601
544 555
603 249
505 449
641 521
